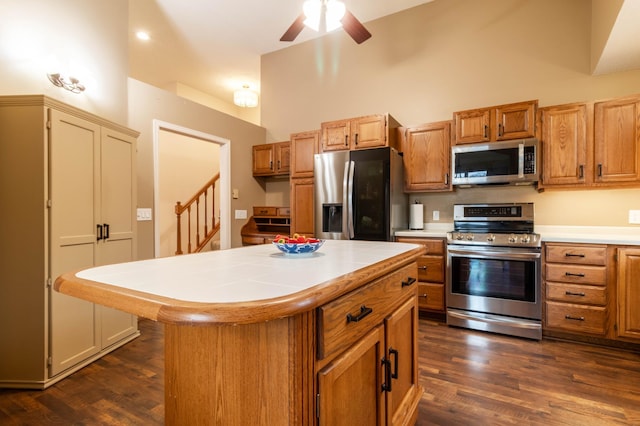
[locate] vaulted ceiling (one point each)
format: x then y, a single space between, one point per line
214 46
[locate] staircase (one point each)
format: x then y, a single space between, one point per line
199 230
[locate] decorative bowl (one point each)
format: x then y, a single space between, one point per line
298 248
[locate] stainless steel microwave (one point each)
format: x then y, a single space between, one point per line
514 162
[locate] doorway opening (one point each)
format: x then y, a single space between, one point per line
195 153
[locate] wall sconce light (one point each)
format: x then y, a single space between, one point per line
73 85
245 97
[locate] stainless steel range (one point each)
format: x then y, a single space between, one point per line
494 269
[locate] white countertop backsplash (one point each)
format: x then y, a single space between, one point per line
627 235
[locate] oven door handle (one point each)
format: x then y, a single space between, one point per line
494 254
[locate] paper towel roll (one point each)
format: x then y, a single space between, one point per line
416 220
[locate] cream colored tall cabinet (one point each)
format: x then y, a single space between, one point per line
67 184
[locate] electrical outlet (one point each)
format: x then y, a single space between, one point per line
634 216
436 215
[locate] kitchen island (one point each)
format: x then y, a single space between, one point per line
254 336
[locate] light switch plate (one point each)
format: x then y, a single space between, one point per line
240 214
143 214
634 216
436 215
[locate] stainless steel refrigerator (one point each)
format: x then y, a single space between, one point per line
359 195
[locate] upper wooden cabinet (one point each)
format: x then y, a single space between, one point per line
590 144
617 141
370 131
304 146
496 123
426 156
271 159
566 139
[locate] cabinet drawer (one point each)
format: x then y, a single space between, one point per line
431 296
348 318
578 274
583 255
591 295
585 319
431 268
265 211
284 211
433 246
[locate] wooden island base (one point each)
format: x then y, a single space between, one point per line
340 350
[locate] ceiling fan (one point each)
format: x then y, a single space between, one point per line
334 15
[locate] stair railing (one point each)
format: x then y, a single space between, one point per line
201 240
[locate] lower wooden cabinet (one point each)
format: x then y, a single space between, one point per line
576 291
628 292
368 354
592 292
431 273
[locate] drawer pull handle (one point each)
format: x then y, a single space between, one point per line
423 295
408 282
394 352
569 317
570 274
573 255
424 268
364 311
569 293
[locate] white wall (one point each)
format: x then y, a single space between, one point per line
85 39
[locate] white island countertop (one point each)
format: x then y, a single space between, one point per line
213 286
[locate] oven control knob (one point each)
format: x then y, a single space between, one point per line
513 238
459 237
525 239
470 237
491 238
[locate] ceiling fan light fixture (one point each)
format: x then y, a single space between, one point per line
334 13
312 10
245 97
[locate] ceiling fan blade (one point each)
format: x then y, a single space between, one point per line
354 28
294 29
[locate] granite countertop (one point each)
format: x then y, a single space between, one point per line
623 235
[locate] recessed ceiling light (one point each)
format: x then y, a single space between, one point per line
143 35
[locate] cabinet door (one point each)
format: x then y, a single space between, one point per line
350 387
617 141
426 156
74 146
369 132
473 126
514 121
263 159
303 147
401 337
117 206
335 135
629 292
301 200
563 131
282 155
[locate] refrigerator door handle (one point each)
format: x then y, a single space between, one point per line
349 193
345 201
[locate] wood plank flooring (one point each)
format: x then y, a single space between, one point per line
470 378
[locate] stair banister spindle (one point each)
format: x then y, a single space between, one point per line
208 233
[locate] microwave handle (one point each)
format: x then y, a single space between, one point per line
521 160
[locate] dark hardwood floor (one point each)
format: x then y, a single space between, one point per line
470 378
